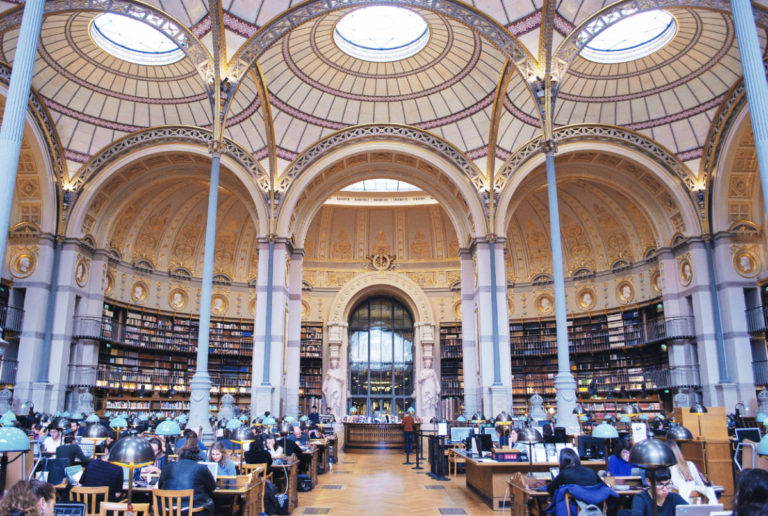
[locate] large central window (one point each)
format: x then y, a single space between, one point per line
380 357
381 33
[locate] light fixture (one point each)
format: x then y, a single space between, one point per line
8 419
461 419
131 453
503 418
699 409
762 446
652 454
679 433
605 432
233 424
242 436
529 436
96 432
118 423
12 439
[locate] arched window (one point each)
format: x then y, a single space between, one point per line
380 357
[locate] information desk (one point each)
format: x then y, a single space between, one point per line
488 478
379 436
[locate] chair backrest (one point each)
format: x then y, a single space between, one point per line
254 497
166 502
92 497
249 468
117 509
569 498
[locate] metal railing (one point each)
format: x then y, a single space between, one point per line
757 319
11 318
760 370
129 380
669 328
8 371
672 377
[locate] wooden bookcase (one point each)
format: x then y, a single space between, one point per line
451 370
311 362
147 358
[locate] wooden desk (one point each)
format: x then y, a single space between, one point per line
488 479
291 471
313 452
323 457
379 436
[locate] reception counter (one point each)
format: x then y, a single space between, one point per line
374 436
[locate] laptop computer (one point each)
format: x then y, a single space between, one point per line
213 467
753 434
697 510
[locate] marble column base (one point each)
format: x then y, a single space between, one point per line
565 386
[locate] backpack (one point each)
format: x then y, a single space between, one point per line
588 509
274 503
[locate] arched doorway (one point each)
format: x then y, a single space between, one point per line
380 357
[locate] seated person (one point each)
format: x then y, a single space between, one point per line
189 433
503 436
226 433
275 450
157 467
71 451
75 429
193 444
257 453
618 463
666 500
218 454
572 472
53 441
298 436
686 478
751 493
186 473
100 473
33 497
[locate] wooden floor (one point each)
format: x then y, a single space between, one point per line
373 484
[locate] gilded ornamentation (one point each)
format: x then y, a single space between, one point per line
139 292
381 245
252 306
24 263
586 298
304 310
686 269
656 281
382 262
219 304
545 304
81 270
625 292
420 247
178 299
342 248
745 260
457 310
109 283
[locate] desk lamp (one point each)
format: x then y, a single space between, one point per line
503 418
605 432
59 422
679 433
652 455
233 424
8 419
118 423
461 419
12 439
762 446
93 418
699 409
578 410
529 436
243 435
760 417
131 453
168 428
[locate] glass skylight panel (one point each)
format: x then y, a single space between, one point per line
633 36
381 185
133 40
381 33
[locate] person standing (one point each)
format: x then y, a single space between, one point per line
408 423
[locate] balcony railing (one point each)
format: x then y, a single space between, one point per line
129 380
672 377
669 328
760 370
8 371
757 319
11 318
81 375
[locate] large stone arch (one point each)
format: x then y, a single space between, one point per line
433 165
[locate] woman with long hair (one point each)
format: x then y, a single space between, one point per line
218 454
29 498
751 493
572 472
686 478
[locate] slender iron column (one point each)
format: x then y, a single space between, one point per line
15 112
200 386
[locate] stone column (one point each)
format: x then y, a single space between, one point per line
15 111
337 339
200 385
473 392
269 331
293 358
424 349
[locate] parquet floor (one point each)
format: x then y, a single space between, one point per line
378 484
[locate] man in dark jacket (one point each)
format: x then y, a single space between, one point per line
71 451
188 474
100 473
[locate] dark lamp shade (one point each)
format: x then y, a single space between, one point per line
529 435
96 432
628 409
503 417
132 452
59 422
698 408
652 453
13 439
243 434
679 433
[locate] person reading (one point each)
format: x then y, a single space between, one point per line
666 500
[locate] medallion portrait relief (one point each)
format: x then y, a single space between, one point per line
139 292
586 299
177 299
745 264
24 265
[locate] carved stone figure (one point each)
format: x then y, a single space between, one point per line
85 403
333 388
429 384
227 408
5 400
537 412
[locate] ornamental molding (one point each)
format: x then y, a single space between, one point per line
176 31
617 135
365 133
162 135
382 281
43 121
726 116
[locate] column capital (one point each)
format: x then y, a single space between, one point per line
336 331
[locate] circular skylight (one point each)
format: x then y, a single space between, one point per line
633 36
381 33
133 40
381 185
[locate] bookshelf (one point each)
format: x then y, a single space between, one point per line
451 371
147 359
609 358
311 362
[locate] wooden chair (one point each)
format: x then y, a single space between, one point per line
454 459
166 502
92 497
254 497
250 468
569 498
117 509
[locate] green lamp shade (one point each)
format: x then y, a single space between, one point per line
461 419
168 427
304 419
762 447
59 422
8 419
289 419
269 420
182 418
57 413
411 410
93 418
119 422
624 419
143 417
243 418
583 417
234 424
760 417
132 452
605 431
13 439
